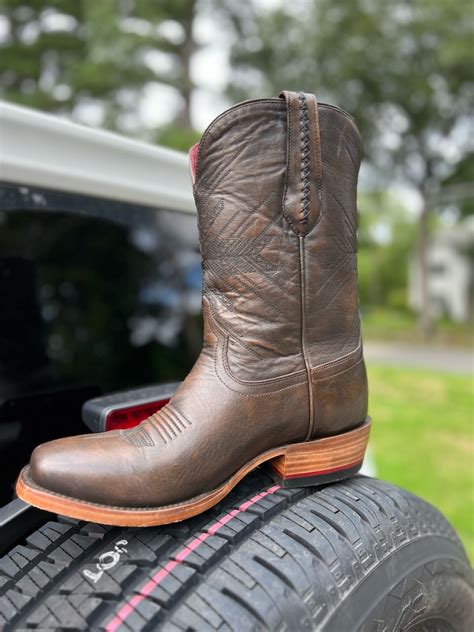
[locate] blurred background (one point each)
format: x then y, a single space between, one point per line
161 70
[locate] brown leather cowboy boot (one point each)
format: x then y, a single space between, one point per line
281 377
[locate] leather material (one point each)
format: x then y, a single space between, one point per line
341 393
302 198
275 189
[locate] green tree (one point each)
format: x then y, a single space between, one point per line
457 190
386 241
402 68
34 58
57 55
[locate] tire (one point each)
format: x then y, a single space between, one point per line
355 555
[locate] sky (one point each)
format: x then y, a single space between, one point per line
210 72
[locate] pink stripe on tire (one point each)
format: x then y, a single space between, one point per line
130 606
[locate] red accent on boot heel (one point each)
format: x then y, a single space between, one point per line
323 460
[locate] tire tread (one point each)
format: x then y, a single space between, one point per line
286 563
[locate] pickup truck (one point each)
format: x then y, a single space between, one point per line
99 320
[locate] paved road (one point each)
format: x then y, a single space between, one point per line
423 356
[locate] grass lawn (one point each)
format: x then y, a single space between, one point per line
389 325
423 439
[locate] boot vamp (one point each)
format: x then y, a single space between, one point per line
101 468
193 445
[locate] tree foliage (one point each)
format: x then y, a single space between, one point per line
402 68
57 55
386 240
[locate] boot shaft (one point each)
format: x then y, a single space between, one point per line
275 190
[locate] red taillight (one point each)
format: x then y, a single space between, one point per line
131 416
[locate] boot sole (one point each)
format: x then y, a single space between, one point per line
305 464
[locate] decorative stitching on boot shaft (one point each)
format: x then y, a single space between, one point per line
305 159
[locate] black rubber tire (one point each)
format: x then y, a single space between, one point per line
355 555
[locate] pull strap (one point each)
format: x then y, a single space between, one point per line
302 197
